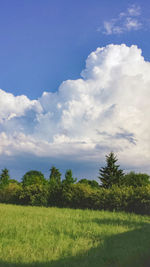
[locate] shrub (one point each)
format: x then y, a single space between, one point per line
80 196
136 179
10 193
35 195
139 201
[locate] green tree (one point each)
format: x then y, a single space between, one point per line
55 176
110 174
136 179
13 181
55 191
92 183
4 177
33 177
69 178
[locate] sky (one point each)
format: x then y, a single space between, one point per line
75 85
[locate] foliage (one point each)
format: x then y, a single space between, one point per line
116 198
139 200
54 195
4 178
92 183
13 181
111 174
69 178
33 177
136 179
80 195
130 192
55 176
10 193
35 195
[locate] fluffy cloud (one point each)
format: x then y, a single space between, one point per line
106 109
125 21
11 106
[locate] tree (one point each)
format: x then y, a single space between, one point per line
33 177
4 177
55 176
69 178
92 183
54 198
111 174
13 181
136 179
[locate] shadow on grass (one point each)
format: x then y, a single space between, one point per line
127 249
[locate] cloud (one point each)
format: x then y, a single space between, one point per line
124 22
134 10
132 24
11 106
106 109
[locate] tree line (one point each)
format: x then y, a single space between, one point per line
116 190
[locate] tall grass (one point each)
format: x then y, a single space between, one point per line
37 236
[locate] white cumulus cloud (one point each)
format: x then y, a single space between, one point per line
106 109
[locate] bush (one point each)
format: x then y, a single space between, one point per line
80 195
35 195
54 194
139 201
127 199
136 179
10 193
116 198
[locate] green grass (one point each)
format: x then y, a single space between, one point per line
37 236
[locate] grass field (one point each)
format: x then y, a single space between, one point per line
37 236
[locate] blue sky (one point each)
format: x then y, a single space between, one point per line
43 44
46 42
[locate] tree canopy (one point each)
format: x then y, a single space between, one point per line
92 183
33 177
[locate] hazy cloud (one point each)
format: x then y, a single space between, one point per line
125 21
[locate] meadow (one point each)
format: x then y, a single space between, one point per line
39 236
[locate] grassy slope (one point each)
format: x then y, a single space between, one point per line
36 236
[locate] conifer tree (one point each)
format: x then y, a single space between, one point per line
55 176
110 174
69 179
4 177
55 187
